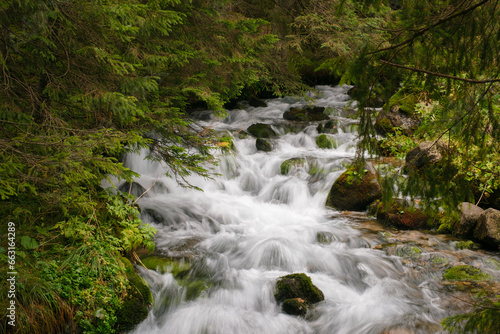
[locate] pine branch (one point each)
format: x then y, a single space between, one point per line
442 75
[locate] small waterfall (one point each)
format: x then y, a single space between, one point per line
252 224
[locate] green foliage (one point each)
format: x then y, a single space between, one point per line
84 82
484 318
396 144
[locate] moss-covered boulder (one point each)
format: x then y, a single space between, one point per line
136 303
326 142
297 286
330 126
263 144
288 165
487 230
355 189
260 130
401 215
294 306
305 114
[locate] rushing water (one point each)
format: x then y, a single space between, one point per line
251 225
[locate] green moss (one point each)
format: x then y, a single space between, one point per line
287 165
408 251
136 304
178 268
465 273
469 244
326 142
294 307
405 102
297 286
385 126
440 260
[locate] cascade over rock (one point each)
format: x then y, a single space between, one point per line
295 291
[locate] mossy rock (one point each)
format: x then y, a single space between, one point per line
305 114
329 126
403 102
355 189
289 164
135 307
402 216
264 145
408 251
295 306
297 286
260 130
326 142
465 273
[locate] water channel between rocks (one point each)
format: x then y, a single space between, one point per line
251 224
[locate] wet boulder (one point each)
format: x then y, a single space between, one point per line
133 188
330 126
487 230
306 114
294 306
425 154
469 216
355 190
326 142
264 145
138 298
401 215
260 130
256 102
296 291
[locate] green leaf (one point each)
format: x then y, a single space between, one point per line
29 243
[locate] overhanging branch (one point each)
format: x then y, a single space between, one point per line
442 75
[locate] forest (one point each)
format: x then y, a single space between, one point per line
83 83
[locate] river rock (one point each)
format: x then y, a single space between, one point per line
306 114
135 189
402 216
260 130
425 154
256 102
469 215
297 286
387 122
263 145
487 231
294 306
329 126
355 192
326 142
